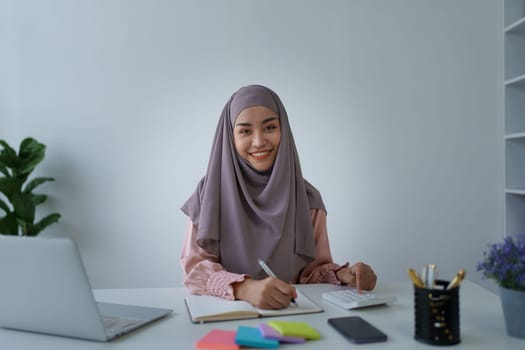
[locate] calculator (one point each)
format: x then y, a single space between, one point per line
350 298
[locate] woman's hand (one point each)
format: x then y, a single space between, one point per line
269 293
360 276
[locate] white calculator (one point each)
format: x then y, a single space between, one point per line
350 298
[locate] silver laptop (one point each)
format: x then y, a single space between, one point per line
44 288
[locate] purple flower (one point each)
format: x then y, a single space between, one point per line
505 262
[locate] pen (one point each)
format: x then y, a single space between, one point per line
432 275
270 273
457 279
429 273
415 279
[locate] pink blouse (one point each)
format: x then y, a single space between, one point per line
204 275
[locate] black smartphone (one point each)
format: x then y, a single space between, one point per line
357 330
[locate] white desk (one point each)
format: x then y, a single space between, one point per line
481 323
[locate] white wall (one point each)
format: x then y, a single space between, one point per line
395 106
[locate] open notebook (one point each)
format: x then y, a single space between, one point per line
205 308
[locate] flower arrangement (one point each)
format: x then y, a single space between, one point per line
505 262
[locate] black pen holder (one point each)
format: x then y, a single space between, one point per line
437 314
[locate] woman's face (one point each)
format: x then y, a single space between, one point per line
257 134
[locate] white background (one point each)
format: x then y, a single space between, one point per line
395 106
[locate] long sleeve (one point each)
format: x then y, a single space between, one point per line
203 274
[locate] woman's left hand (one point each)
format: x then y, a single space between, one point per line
360 276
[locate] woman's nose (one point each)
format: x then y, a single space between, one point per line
258 139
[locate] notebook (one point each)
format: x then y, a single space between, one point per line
205 308
44 288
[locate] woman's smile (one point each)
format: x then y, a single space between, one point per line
257 135
260 155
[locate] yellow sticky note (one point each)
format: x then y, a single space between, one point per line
295 329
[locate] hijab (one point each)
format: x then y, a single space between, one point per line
242 214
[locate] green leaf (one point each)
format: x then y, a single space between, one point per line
16 168
38 198
36 182
24 207
8 225
31 153
8 157
4 206
43 223
6 146
6 149
3 170
9 186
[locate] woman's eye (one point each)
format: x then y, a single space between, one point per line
244 131
271 127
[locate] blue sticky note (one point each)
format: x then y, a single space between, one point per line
251 336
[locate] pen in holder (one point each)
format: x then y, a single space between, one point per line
437 314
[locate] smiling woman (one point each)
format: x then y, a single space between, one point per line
253 203
257 136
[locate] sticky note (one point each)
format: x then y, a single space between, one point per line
270 333
251 336
295 329
218 339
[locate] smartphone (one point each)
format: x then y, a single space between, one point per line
357 330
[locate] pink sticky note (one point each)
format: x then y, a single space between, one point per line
218 339
270 333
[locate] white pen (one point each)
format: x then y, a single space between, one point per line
270 273
432 276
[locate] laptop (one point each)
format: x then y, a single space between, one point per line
44 288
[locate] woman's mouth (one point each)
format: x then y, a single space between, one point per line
260 155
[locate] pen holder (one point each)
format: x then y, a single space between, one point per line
437 314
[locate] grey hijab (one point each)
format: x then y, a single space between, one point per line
242 214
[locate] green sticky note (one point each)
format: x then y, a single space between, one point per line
295 329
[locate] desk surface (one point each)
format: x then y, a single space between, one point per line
481 322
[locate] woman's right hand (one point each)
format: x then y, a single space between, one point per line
269 293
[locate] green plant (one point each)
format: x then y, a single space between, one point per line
16 168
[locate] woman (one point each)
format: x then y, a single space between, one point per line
253 203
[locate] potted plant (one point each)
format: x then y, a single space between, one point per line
18 218
505 263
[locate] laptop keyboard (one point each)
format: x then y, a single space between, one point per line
112 323
351 299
